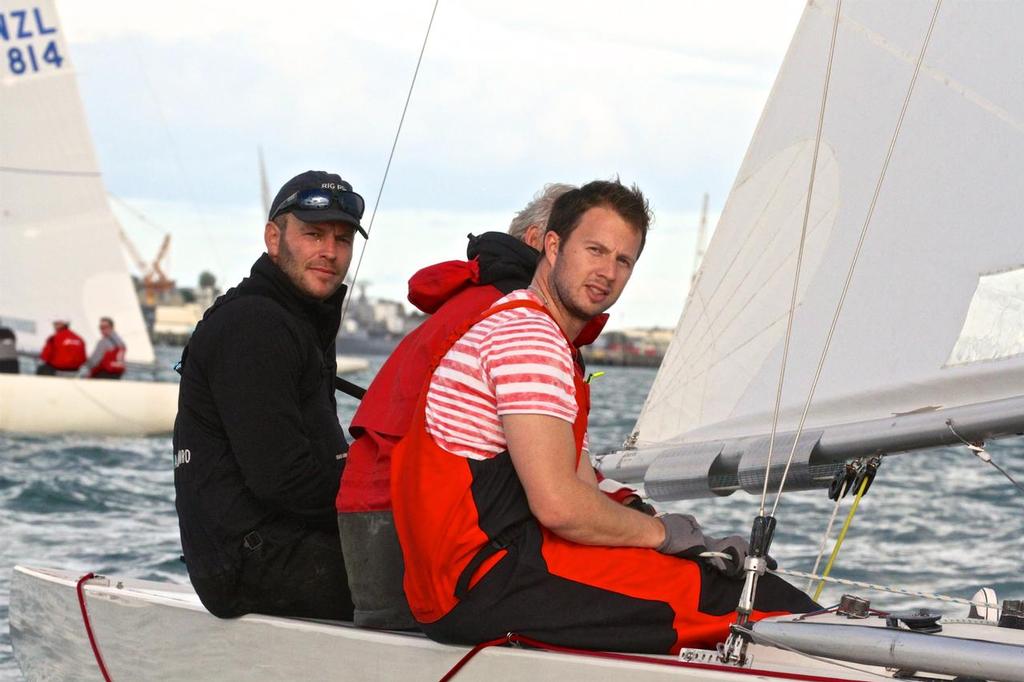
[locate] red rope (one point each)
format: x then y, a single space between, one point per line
473 652
80 588
513 638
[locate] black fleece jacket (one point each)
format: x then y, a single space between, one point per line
257 441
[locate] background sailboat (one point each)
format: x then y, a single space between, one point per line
60 255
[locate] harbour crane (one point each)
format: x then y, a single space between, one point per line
155 282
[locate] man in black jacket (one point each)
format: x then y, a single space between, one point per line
258 447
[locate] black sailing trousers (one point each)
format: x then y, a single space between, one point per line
302 575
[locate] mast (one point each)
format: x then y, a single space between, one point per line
264 185
698 251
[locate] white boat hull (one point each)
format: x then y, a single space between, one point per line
50 405
348 364
157 631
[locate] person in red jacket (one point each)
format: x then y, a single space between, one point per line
64 351
498 512
451 292
107 359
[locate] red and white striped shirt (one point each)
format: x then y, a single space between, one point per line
514 362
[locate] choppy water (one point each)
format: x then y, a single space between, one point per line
937 522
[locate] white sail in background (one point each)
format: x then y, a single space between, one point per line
59 250
934 317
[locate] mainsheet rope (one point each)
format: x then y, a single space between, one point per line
828 532
842 536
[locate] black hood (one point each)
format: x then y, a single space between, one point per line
505 262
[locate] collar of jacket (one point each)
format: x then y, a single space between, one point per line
266 279
591 331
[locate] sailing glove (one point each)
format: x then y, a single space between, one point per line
738 548
683 536
685 539
733 545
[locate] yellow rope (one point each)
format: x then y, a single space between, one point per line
842 536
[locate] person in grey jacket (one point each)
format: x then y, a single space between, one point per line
107 359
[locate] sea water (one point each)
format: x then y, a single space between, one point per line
940 521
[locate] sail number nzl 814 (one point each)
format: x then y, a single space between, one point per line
29 42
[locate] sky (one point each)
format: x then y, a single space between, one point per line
180 95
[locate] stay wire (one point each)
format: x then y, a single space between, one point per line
1007 474
391 156
883 588
185 178
137 213
856 253
800 255
984 455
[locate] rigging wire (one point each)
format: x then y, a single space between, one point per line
857 251
391 156
800 258
137 213
186 182
984 455
884 588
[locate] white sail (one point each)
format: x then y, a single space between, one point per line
934 317
59 250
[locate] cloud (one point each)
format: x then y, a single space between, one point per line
510 96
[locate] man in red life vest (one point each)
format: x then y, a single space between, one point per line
500 518
64 350
107 359
452 293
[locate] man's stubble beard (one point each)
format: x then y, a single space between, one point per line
289 265
564 292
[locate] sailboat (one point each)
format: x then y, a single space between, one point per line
861 297
60 255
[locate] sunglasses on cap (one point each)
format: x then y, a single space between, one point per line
320 200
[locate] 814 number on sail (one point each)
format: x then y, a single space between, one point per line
24 25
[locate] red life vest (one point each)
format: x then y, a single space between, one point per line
112 362
458 518
436 515
64 350
386 410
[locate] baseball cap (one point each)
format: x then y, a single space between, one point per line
344 206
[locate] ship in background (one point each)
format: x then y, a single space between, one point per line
629 347
371 326
374 326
